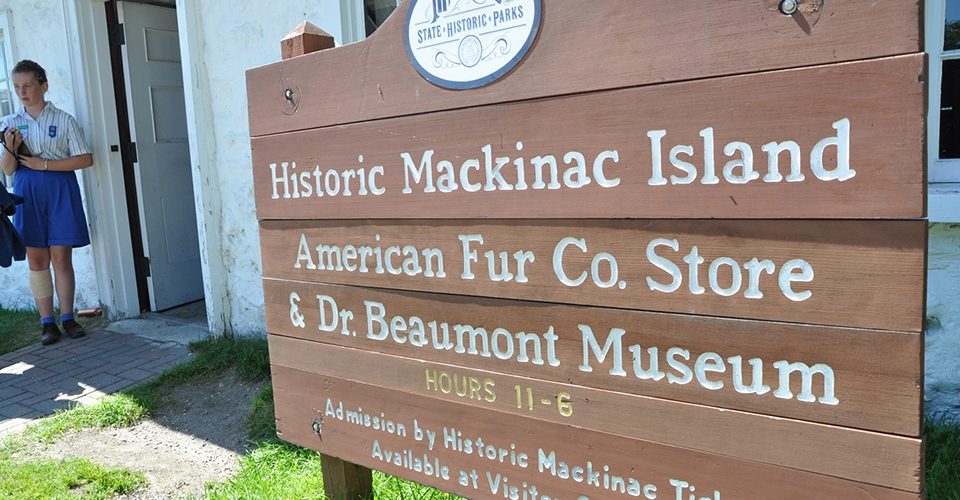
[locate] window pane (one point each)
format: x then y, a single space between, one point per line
950 110
377 11
951 31
6 93
6 97
3 58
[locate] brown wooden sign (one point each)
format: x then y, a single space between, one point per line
821 272
479 452
669 250
669 151
800 445
732 364
610 44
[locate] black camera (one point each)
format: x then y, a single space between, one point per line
22 150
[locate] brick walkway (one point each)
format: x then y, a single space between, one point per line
36 380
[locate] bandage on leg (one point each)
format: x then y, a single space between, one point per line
41 283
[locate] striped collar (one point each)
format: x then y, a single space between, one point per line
22 112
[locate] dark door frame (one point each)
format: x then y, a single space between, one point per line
127 151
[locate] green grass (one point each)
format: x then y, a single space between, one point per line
19 329
273 470
23 478
78 478
942 459
212 357
118 410
387 487
263 426
81 478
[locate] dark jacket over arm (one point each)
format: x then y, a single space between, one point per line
11 246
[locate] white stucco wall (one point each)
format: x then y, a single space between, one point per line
40 34
942 382
236 36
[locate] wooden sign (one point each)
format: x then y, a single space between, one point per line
611 44
743 435
661 250
626 153
479 453
657 355
797 271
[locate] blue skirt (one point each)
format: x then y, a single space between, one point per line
52 211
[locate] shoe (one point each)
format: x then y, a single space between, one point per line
73 329
50 334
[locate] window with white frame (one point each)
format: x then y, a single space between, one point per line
8 101
376 12
943 120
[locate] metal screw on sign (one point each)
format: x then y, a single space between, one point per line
291 99
789 7
318 428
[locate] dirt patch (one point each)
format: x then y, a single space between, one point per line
195 439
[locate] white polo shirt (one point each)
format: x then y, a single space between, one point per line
54 135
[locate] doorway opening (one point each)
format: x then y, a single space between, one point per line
155 153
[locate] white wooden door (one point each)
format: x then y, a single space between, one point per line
159 127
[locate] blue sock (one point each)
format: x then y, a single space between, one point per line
47 320
66 317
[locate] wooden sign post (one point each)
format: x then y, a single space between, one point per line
619 249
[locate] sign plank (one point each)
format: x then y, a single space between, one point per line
800 445
584 47
820 272
681 323
875 390
666 151
389 430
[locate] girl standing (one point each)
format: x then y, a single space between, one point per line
51 220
